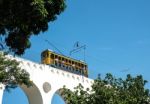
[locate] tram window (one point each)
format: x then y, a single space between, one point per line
69 62
56 56
79 65
72 62
52 56
85 67
63 59
59 58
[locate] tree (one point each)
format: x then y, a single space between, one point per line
79 96
111 91
19 19
11 74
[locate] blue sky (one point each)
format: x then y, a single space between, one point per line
116 33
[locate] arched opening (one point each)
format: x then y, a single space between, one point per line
15 96
23 95
58 97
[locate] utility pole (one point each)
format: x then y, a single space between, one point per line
77 48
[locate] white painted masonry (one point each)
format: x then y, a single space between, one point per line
47 81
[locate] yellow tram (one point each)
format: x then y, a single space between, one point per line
63 62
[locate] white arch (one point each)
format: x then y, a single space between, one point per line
33 94
48 80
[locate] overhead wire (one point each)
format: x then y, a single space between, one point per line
98 60
53 46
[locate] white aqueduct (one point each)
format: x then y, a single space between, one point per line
47 81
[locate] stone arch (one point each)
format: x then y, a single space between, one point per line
33 94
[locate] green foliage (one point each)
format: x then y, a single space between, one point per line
11 74
111 91
79 96
19 19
